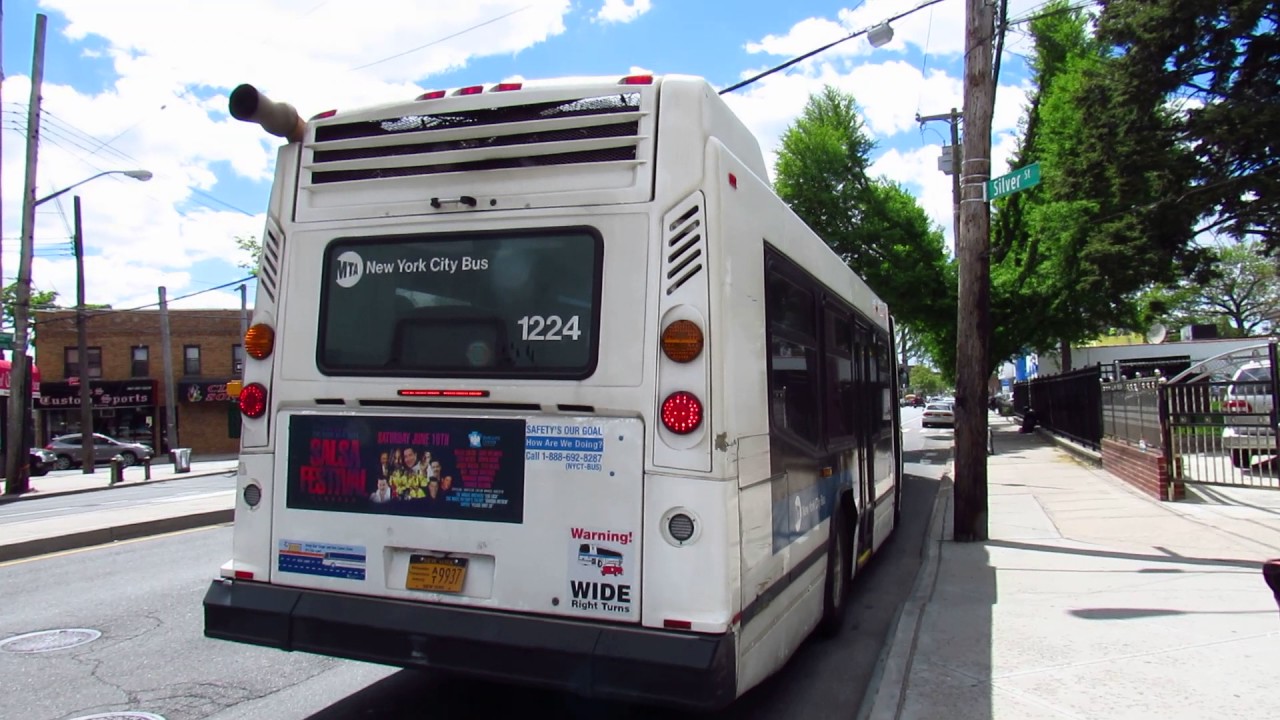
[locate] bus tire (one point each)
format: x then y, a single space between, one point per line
835 591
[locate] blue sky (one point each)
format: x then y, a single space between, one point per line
143 84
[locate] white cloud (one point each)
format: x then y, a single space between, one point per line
622 11
174 63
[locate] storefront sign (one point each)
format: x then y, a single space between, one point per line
6 366
462 469
208 391
102 394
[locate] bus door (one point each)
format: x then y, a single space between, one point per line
866 412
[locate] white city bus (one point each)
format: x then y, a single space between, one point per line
546 385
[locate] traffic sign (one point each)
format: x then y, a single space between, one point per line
1019 179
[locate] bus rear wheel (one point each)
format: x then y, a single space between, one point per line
836 590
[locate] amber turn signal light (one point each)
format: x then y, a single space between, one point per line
259 340
682 341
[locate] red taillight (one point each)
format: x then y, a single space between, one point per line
325 114
49 446
733 181
1237 406
503 87
470 90
244 575
253 400
677 624
433 95
682 412
636 80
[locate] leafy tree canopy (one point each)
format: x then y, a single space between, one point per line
874 225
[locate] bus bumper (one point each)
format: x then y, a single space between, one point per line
615 662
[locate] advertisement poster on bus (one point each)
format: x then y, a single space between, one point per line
461 469
602 572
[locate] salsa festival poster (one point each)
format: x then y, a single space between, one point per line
451 468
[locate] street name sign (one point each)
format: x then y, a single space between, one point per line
1018 180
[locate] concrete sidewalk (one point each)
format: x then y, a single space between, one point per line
39 532
69 482
1089 601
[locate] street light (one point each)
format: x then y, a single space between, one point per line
19 396
880 35
142 175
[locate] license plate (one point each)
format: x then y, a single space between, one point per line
436 574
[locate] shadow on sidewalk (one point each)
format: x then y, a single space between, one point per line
1252 565
1143 613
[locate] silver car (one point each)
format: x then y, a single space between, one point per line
68 449
1249 431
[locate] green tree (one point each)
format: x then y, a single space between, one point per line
253 246
1217 64
874 225
40 300
1070 257
1240 293
925 379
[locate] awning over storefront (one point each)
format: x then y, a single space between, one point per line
102 394
6 366
204 391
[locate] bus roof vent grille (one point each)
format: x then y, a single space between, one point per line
571 131
685 246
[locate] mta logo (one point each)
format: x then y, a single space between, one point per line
474 438
349 268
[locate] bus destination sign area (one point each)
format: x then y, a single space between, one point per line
461 469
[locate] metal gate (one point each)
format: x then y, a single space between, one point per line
1219 420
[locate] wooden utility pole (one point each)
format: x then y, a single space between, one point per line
16 460
973 247
170 406
87 460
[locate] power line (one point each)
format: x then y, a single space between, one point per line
440 40
828 46
100 313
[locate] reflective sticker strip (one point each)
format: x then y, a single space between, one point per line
323 559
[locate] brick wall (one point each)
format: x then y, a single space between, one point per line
201 427
1148 471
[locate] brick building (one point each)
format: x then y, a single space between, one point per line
126 376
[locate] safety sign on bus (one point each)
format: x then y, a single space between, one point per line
572 447
602 570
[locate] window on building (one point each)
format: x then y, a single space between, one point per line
191 359
141 362
71 362
237 359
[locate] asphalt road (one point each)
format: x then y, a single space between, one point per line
168 491
144 597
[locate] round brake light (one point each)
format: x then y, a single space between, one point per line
258 341
253 400
682 341
682 412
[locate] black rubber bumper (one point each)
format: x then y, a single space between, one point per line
590 659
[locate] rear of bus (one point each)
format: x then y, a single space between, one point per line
462 446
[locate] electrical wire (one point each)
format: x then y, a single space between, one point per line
828 46
100 313
437 41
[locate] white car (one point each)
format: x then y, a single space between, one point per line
938 414
1250 423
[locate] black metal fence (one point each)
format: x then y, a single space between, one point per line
1131 411
1068 404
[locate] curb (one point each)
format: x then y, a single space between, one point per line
1079 451
106 536
29 495
893 669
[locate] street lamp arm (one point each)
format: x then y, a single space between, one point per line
142 175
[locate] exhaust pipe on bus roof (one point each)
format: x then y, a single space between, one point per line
279 119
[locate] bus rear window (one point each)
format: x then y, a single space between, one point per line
513 304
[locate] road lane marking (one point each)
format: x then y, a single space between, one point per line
117 543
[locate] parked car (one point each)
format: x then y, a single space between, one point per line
1250 421
42 461
67 448
936 414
